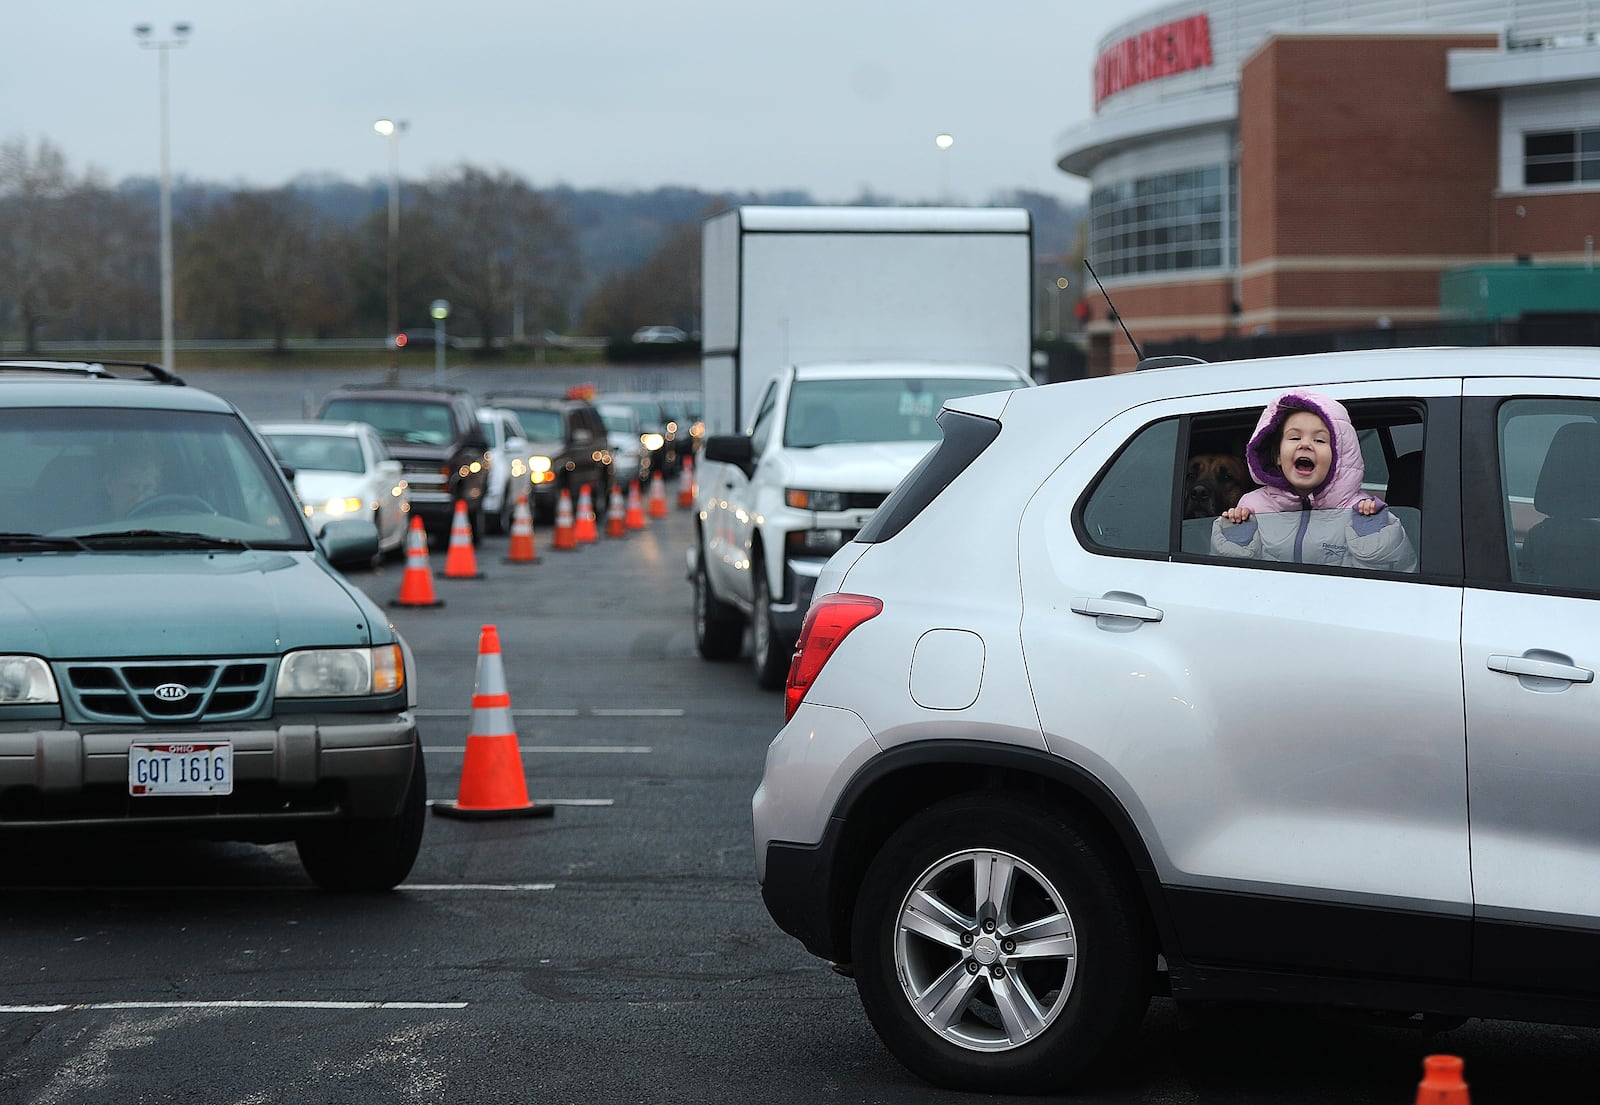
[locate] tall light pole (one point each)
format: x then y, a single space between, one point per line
1056 289
944 142
390 129
180 35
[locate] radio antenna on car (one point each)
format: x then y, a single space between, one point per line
1116 314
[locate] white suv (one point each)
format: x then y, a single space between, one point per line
1049 753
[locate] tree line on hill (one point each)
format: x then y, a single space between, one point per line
80 256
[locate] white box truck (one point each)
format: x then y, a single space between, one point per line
831 338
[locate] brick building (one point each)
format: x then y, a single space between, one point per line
1273 166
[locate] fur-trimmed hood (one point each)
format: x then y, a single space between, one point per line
1342 488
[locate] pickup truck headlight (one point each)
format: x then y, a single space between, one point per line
341 672
26 681
801 499
817 542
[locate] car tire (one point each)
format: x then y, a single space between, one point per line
499 521
369 854
768 655
1011 1022
718 628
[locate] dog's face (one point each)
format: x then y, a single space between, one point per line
1214 483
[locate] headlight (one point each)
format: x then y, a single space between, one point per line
539 464
652 441
341 672
801 499
26 680
338 507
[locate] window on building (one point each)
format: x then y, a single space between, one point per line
1166 223
1561 157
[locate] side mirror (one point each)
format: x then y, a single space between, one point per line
734 449
349 541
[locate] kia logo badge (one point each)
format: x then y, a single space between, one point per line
172 692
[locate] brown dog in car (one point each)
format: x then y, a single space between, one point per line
1213 484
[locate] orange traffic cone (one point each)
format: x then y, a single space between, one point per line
416 585
461 561
583 530
521 550
1442 1083
658 496
686 488
615 525
564 540
634 519
492 783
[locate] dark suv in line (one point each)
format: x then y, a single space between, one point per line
569 448
433 432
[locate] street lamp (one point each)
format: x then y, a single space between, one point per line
440 310
390 129
180 35
944 142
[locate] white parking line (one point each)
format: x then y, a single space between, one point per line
495 887
562 801
597 749
93 1006
557 711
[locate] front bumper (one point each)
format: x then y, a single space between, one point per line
319 767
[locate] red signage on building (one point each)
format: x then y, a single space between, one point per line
1159 52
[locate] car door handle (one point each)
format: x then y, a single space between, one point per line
1116 605
1539 669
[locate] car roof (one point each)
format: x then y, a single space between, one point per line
522 400
1071 408
892 370
102 391
347 429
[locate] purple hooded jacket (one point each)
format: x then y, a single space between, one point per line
1322 527
1342 488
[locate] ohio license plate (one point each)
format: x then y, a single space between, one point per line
181 768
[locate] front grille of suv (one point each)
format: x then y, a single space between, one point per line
159 692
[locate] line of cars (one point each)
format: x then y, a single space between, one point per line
386 452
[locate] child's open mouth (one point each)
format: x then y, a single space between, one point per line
1305 464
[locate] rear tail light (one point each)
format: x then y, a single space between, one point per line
828 622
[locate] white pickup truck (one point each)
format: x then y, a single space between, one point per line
826 445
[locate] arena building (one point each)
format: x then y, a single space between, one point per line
1264 167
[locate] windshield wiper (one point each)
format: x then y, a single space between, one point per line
145 538
13 542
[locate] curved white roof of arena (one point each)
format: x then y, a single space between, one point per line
1190 83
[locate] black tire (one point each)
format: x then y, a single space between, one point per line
1089 976
770 653
718 628
500 521
369 854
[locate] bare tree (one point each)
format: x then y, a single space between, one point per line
258 264
33 270
663 289
504 250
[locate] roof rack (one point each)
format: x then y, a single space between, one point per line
93 369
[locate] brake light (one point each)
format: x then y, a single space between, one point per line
828 622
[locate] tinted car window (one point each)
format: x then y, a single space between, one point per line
1549 457
826 411
1130 508
414 421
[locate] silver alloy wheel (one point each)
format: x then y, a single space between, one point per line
986 950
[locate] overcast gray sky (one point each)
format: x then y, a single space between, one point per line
831 96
